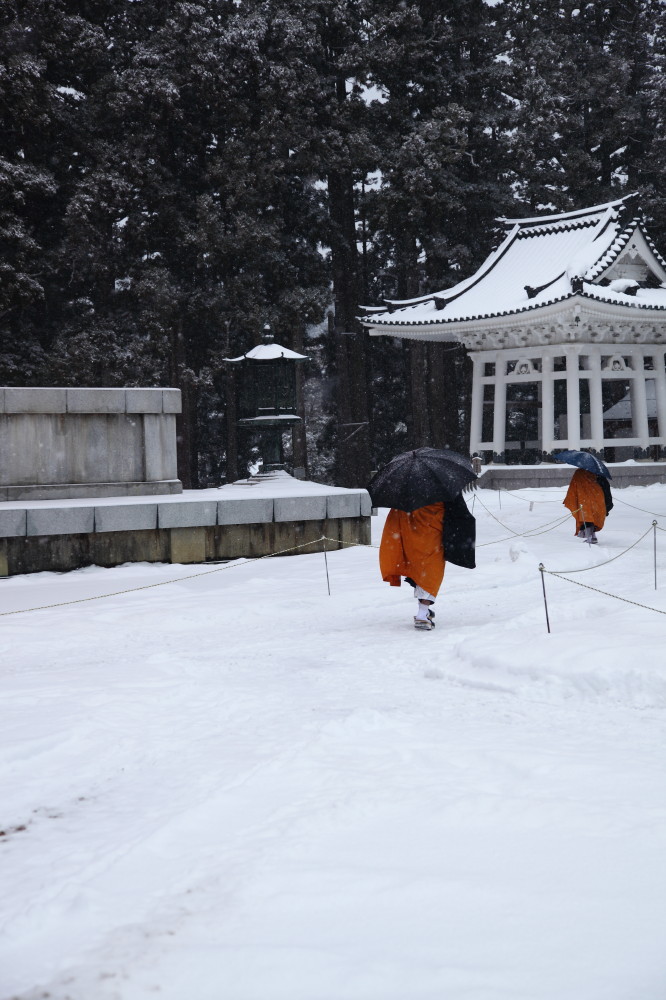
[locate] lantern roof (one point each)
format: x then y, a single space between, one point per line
269 352
603 254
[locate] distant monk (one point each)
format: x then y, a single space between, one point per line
589 500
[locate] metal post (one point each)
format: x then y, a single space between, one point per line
545 602
654 546
328 582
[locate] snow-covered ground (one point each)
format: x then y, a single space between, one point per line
237 787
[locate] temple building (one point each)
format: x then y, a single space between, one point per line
565 325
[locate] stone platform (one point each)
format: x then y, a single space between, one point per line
58 443
518 477
255 517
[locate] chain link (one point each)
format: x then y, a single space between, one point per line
604 592
530 533
524 499
585 569
617 499
236 564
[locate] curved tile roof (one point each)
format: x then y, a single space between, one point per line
540 262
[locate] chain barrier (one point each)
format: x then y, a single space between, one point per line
525 499
505 526
340 543
617 499
533 533
235 564
542 570
542 529
560 574
585 569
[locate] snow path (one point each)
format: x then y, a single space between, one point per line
239 787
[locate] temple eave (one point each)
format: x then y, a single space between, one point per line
578 318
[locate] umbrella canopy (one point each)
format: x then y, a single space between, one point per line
417 478
583 460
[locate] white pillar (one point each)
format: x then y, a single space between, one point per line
596 401
476 420
639 417
660 385
573 402
499 410
547 404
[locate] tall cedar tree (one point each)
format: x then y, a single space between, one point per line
174 175
442 118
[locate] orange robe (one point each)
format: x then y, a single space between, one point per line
412 546
585 499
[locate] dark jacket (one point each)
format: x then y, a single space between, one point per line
608 499
459 533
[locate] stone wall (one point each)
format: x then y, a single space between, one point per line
198 526
59 553
66 443
518 477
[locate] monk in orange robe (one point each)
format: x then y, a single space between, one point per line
586 500
412 547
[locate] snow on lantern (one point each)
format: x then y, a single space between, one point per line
267 399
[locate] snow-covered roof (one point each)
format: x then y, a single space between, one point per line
269 352
546 260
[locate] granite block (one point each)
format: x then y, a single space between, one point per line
366 504
96 400
61 521
198 513
2 399
187 545
300 508
89 491
250 511
126 517
13 523
171 401
343 505
34 400
143 400
159 446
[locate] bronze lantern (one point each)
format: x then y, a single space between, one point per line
267 396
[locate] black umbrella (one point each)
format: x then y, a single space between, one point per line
417 478
583 460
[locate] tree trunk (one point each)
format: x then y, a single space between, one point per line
419 425
437 391
298 439
186 445
353 443
232 428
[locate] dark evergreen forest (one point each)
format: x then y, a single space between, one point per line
175 175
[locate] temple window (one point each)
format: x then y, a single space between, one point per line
522 414
488 411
